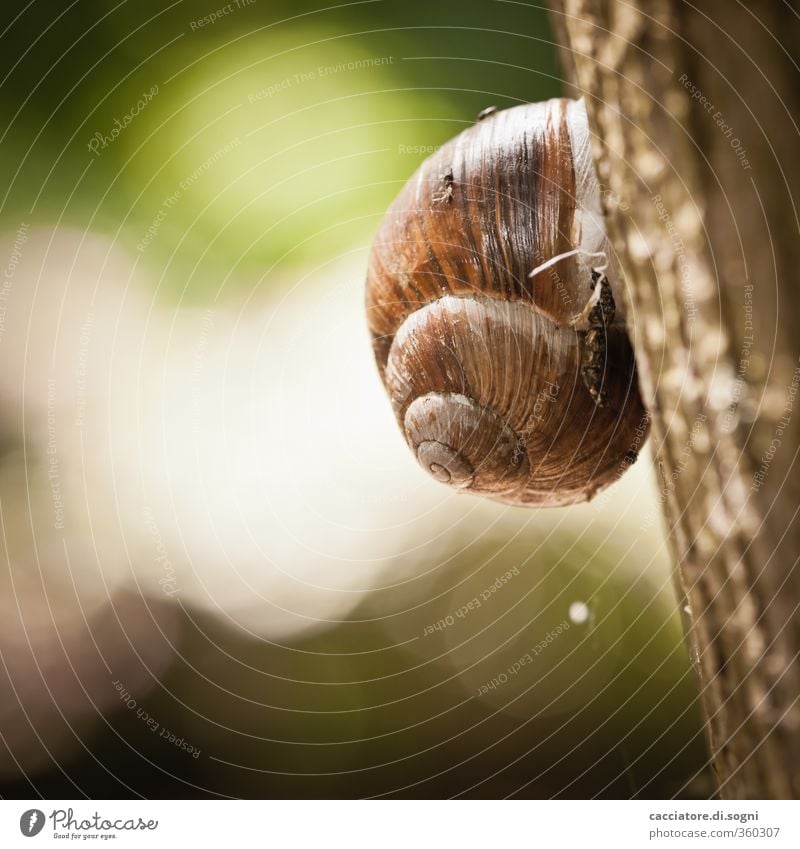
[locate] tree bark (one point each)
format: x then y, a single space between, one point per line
694 113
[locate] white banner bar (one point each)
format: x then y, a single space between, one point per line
402 824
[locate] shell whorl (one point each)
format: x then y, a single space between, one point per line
479 360
459 374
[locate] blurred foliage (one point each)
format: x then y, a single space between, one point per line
329 108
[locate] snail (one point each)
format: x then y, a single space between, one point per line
496 314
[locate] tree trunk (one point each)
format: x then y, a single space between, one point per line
694 116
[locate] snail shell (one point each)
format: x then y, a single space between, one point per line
519 388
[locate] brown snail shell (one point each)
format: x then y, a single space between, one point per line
519 388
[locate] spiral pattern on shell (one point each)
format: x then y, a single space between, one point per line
484 365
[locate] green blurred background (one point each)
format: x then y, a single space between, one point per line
318 159
272 143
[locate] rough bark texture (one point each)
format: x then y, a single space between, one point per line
694 112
